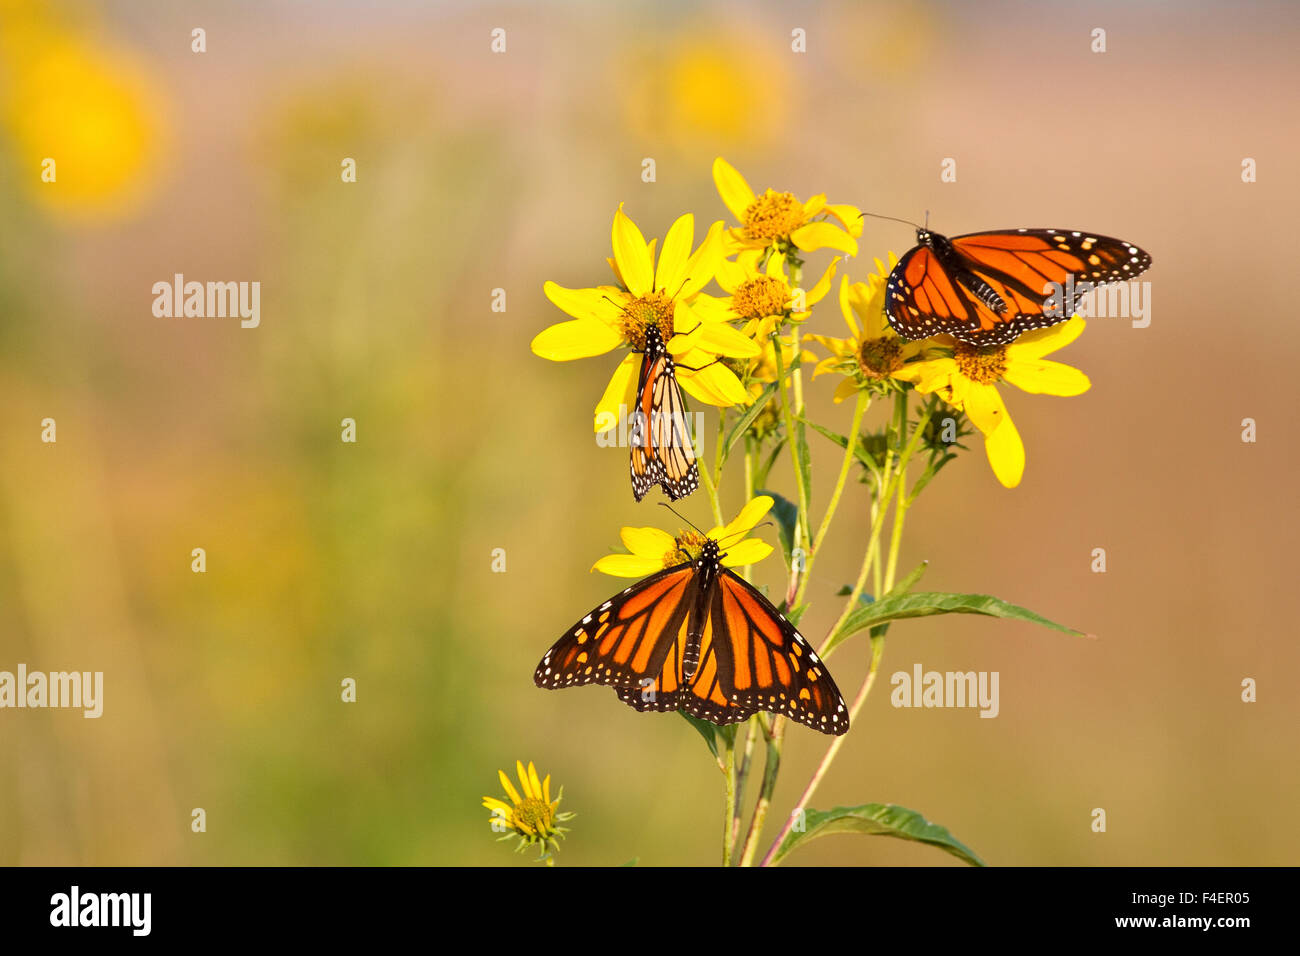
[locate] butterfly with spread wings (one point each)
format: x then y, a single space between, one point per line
662 450
697 638
986 288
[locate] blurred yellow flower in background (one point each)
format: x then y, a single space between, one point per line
653 550
533 816
873 352
684 92
968 382
75 99
666 297
781 220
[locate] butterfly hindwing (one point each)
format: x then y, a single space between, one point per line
768 663
987 288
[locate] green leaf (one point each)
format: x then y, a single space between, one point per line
634 861
706 730
895 607
876 819
905 585
747 419
786 514
760 475
804 457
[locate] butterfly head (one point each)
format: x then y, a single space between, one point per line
711 556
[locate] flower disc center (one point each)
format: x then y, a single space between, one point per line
773 215
983 365
761 296
653 309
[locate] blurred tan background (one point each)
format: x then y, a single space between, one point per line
478 171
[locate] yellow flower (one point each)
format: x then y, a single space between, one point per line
968 382
89 107
653 549
667 297
703 83
764 298
873 353
779 219
533 817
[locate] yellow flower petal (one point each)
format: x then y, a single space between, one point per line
1006 453
676 252
818 292
1040 342
603 303
702 266
824 235
721 339
546 789
620 393
846 307
509 788
647 542
632 255
850 217
814 206
627 566
523 780
733 189
985 407
1045 377
492 803
744 522
846 389
534 780
731 273
716 385
575 339
749 551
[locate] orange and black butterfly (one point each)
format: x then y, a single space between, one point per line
986 288
662 450
696 637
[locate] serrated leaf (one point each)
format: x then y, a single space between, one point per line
875 819
896 607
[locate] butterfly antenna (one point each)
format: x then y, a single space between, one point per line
620 307
907 222
665 504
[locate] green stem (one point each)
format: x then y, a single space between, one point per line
742 773
711 490
860 410
750 453
877 651
787 413
890 479
771 767
728 764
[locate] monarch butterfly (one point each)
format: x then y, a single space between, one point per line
986 288
696 637
662 453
